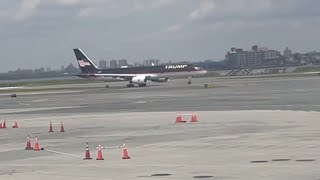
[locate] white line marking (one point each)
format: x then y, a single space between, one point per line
39 100
111 147
57 152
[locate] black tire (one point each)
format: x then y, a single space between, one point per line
142 85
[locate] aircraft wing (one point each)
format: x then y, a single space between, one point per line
123 76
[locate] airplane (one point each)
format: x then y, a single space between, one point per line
135 75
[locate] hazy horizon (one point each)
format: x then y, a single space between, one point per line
42 33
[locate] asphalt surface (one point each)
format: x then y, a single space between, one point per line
247 129
259 94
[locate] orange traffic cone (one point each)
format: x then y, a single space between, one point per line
87 153
125 152
15 125
99 156
62 128
179 118
36 145
50 127
194 118
28 144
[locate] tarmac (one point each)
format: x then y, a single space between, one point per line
247 129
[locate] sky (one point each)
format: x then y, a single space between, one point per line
42 33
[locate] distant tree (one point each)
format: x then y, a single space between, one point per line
40 70
71 69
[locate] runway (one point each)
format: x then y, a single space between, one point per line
269 94
247 129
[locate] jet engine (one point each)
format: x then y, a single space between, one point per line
139 80
159 80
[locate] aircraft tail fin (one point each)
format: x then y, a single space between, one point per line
85 64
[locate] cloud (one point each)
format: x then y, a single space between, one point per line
26 9
173 29
181 28
79 2
229 9
161 3
173 32
205 9
88 8
169 33
142 5
111 8
68 2
90 11
253 10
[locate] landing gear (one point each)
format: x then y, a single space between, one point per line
106 86
189 80
130 85
142 85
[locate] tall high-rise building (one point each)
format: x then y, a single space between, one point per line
137 64
103 64
151 62
287 52
122 62
113 63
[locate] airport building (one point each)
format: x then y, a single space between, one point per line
256 57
